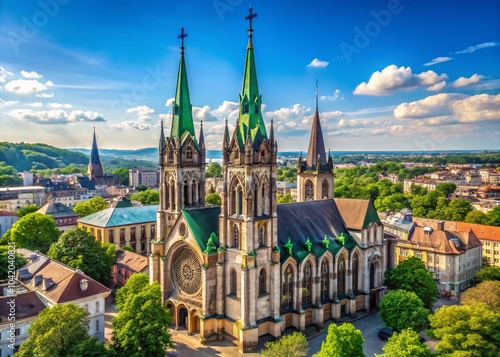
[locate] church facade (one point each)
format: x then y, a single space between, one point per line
252 267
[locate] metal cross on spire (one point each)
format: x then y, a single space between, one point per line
316 94
182 36
250 17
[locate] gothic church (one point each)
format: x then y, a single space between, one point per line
252 267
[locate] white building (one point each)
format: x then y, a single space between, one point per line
7 219
14 198
143 176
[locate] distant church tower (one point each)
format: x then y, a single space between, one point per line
182 160
95 168
315 173
248 219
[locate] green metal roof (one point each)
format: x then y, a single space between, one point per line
311 227
203 223
183 110
114 217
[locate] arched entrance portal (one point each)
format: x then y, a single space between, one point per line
182 317
373 301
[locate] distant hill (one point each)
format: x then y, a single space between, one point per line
146 154
24 156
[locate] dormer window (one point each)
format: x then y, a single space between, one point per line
176 110
256 109
84 284
245 108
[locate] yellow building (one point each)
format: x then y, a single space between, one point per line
489 236
123 226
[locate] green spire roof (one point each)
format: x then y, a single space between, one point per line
250 99
182 119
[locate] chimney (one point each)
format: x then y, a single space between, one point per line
440 226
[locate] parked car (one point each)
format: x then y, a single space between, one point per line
385 333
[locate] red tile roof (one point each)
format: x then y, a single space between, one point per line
27 305
4 213
480 230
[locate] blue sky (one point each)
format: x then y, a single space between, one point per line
393 75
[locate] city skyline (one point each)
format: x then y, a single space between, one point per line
393 75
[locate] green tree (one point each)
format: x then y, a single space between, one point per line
214 170
468 330
342 341
446 188
488 273
293 345
405 344
487 292
477 217
394 202
123 173
458 209
135 284
401 309
95 204
5 254
213 199
21 212
141 187
80 250
148 197
412 275
141 326
127 248
286 198
58 331
494 216
35 231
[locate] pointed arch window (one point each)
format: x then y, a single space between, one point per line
325 279
170 154
307 284
355 273
324 189
239 200
233 282
262 282
309 190
372 275
287 289
189 153
236 237
262 233
341 276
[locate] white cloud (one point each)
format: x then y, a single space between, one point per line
392 79
60 105
316 63
169 102
474 48
438 60
130 124
227 109
31 74
336 95
25 86
4 74
49 83
55 116
450 108
464 81
298 111
45 95
141 110
204 113
6 103
437 87
37 104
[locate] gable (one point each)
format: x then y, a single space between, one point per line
203 224
357 213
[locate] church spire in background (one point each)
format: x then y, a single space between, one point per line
316 150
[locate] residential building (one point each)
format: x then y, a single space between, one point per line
7 219
28 178
123 226
252 267
128 263
26 307
146 176
64 216
489 236
14 198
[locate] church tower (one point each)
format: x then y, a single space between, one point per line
182 162
315 173
248 219
95 168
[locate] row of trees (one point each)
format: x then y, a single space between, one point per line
140 328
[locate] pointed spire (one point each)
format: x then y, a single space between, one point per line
94 154
316 151
225 141
201 139
250 100
271 134
162 137
182 118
